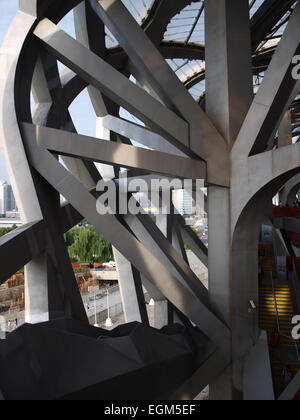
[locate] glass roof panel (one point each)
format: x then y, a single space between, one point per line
198 90
138 8
188 25
185 69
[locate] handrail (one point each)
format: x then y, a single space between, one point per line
275 300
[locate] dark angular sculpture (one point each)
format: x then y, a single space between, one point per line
67 359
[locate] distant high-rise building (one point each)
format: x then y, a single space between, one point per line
7 199
10 199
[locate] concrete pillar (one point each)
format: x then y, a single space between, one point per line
159 318
36 294
160 314
228 97
129 297
2 328
219 251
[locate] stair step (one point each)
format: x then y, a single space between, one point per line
276 307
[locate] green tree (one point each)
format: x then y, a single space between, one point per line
86 245
70 237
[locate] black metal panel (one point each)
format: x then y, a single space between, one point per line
70 360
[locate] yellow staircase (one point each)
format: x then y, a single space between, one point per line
286 311
268 322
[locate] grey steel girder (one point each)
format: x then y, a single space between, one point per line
69 144
126 243
229 144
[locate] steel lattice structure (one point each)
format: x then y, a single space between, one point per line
228 136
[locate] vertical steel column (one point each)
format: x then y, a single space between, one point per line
228 98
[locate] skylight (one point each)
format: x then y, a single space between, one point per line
188 25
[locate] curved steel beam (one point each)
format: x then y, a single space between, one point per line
117 57
182 50
261 62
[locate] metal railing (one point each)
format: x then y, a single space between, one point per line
275 301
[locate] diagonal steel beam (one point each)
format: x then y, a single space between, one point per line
192 240
145 55
117 87
275 94
96 150
139 134
178 242
153 239
90 31
19 247
126 243
29 241
155 26
205 140
266 17
49 89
